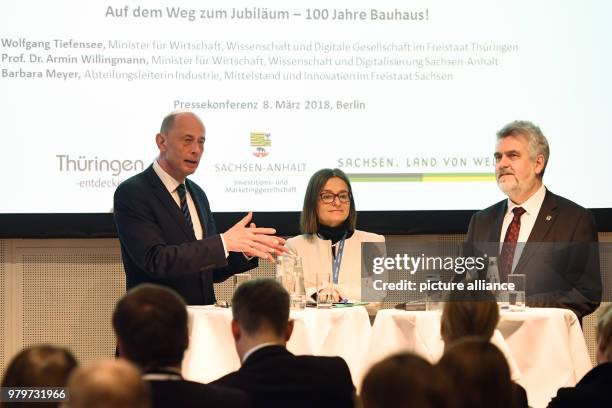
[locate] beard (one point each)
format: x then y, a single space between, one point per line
508 184
511 186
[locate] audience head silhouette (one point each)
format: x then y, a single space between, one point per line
42 365
260 310
469 314
151 326
108 384
404 380
478 373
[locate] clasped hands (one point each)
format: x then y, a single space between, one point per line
253 240
336 296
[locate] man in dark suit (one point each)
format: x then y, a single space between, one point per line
272 375
150 322
550 239
593 390
167 232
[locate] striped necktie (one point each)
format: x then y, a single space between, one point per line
184 208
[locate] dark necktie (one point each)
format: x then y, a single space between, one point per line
507 253
184 207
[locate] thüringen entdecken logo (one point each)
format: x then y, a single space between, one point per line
83 164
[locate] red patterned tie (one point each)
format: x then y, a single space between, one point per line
507 253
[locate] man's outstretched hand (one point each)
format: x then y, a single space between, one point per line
253 241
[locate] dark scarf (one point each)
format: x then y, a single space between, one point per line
335 234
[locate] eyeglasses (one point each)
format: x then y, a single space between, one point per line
328 198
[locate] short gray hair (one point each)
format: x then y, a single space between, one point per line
535 138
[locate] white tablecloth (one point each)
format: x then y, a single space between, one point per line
547 345
343 332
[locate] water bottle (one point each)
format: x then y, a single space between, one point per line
493 277
493 271
298 294
433 298
280 269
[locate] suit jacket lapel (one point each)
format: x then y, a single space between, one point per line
167 201
498 221
546 218
544 221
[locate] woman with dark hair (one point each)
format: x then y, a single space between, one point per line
474 315
479 375
40 366
329 240
404 380
469 314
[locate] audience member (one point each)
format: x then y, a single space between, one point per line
39 366
108 384
270 373
593 390
404 380
469 314
479 375
474 314
151 326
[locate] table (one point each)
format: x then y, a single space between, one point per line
343 332
546 344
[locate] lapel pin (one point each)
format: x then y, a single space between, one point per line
548 218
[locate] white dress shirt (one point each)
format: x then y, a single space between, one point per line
532 209
171 185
